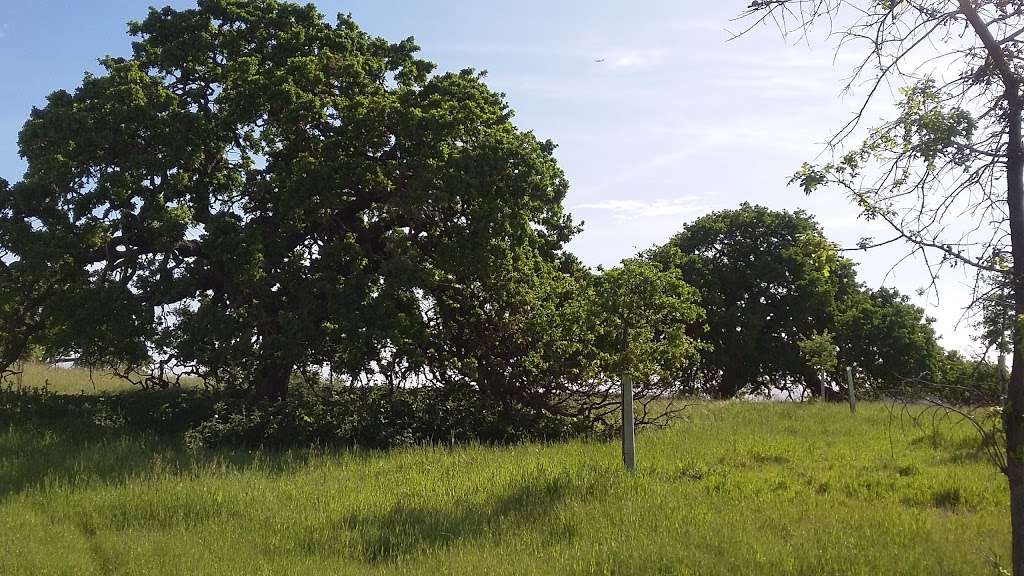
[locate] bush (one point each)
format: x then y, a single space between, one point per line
371 417
159 412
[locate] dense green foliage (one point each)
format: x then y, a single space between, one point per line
965 381
258 194
257 198
785 312
646 317
888 339
371 417
738 489
768 280
245 207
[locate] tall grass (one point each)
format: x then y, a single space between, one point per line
72 380
63 380
738 489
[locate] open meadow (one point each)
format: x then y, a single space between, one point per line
380 309
736 488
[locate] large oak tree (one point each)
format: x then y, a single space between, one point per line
257 190
768 280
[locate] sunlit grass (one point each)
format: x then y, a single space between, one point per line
70 380
738 489
64 380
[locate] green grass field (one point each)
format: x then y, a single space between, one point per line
73 380
739 488
67 380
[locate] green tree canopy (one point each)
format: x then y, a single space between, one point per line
647 317
257 189
820 352
889 340
768 280
968 381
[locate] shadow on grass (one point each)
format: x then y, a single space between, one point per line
406 529
66 441
969 448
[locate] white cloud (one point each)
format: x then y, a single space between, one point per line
793 74
634 209
635 59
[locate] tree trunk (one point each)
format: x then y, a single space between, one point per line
277 356
13 347
271 377
9 357
812 380
1013 413
729 385
1012 423
628 440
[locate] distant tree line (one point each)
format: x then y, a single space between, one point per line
258 197
785 313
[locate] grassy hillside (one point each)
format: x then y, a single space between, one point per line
741 488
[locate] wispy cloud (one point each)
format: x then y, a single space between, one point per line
635 209
793 74
642 59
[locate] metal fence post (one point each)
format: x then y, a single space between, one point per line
628 449
851 392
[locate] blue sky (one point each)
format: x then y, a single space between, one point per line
675 122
